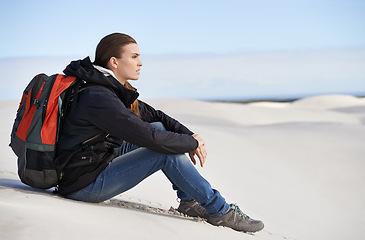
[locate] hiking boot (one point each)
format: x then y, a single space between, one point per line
192 209
236 220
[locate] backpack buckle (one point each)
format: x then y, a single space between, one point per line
37 103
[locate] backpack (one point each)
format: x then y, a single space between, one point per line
36 128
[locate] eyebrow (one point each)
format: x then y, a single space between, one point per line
136 54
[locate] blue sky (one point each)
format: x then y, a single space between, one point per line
43 28
287 31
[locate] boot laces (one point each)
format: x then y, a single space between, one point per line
238 210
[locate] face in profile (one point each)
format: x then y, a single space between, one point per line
128 66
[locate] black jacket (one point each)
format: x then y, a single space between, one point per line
102 108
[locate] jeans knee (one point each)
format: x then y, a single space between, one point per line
178 159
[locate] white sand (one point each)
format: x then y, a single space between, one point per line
296 166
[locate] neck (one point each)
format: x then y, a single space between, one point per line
122 81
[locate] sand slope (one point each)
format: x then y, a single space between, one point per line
297 166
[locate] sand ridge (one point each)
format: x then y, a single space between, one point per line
296 166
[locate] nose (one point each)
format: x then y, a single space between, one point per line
140 63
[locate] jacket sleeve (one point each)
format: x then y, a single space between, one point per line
149 114
104 109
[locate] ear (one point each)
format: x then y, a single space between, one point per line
113 63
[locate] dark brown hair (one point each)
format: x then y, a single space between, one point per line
112 46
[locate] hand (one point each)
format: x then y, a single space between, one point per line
199 151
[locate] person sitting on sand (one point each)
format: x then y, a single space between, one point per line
131 140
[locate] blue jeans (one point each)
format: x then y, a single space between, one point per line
137 163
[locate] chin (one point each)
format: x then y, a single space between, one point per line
134 78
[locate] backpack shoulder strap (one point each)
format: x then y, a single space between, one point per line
36 85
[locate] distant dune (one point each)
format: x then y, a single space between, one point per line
246 75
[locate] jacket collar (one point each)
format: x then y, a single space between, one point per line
105 71
85 70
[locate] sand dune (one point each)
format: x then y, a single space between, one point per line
297 166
